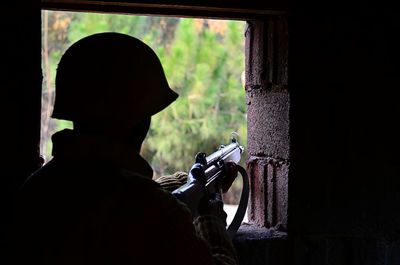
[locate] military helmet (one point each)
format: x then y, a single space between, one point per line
112 78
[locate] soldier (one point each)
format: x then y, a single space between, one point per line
95 202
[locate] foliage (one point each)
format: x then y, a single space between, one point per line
201 68
203 61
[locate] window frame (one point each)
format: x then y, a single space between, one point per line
266 87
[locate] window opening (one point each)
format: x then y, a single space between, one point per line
203 61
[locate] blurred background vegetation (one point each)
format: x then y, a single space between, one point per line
203 61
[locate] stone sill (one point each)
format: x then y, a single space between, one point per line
251 232
259 245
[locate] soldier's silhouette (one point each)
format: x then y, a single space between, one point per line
95 202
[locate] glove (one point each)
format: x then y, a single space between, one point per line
172 182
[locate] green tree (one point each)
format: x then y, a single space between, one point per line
201 67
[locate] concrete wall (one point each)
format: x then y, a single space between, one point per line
344 180
268 121
331 131
20 102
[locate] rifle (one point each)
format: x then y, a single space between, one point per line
205 181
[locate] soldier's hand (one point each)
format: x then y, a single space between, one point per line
214 207
172 182
231 174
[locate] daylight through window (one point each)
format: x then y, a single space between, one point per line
203 61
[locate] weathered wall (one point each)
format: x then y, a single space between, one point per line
330 132
344 180
344 124
20 102
20 87
268 120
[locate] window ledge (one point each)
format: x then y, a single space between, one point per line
251 232
259 245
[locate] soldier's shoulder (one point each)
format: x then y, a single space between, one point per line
153 193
